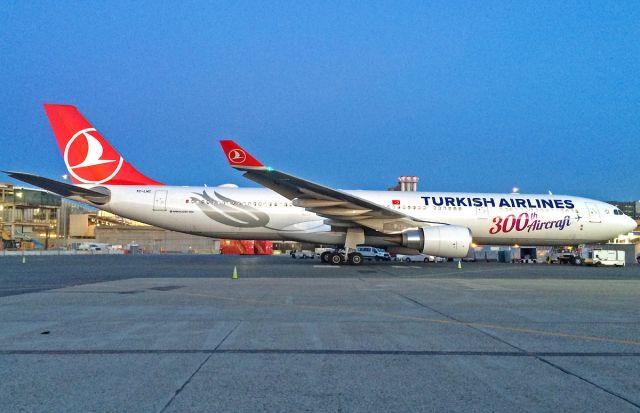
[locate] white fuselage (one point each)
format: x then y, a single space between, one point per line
257 213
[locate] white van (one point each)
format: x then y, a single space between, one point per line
605 257
93 247
302 254
372 253
383 255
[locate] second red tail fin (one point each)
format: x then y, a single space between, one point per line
90 159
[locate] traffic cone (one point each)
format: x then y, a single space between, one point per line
235 273
459 264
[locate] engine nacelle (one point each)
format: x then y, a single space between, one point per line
449 241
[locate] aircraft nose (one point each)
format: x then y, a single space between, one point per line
630 224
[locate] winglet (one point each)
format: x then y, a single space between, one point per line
238 157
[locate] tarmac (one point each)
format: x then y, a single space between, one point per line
175 333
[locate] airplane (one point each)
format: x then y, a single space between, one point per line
444 224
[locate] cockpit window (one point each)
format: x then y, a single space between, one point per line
617 212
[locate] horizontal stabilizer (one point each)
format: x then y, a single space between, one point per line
97 195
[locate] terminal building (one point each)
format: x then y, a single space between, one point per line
29 218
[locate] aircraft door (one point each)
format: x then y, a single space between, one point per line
594 214
160 200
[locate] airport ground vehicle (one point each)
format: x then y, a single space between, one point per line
296 209
320 250
600 257
373 253
7 242
92 246
303 254
419 258
564 256
383 255
368 253
525 255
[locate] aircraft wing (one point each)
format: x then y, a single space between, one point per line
322 200
96 195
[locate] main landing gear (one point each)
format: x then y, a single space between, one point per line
338 258
355 236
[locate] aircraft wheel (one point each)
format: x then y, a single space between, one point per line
336 258
355 258
324 257
407 259
426 260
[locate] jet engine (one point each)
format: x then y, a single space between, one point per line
449 241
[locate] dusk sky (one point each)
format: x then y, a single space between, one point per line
470 96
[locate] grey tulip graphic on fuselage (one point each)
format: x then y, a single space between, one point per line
229 212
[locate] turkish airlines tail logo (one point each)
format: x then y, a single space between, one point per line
89 158
93 151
